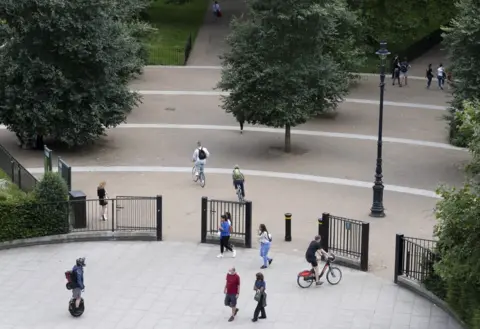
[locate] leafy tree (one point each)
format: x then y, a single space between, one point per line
458 229
462 40
65 68
288 61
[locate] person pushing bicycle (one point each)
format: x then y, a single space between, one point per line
238 179
311 256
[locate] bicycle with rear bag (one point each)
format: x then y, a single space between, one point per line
333 274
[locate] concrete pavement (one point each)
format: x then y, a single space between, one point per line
142 285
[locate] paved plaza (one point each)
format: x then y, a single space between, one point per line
331 169
180 285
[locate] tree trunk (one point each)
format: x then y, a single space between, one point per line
288 140
39 142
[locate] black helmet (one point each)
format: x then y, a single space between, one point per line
81 262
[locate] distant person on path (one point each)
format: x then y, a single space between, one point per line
232 291
404 66
241 121
265 240
429 75
238 179
216 9
199 157
225 231
102 199
440 76
395 64
260 297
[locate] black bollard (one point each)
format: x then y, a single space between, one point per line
288 227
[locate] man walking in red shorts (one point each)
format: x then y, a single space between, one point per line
232 290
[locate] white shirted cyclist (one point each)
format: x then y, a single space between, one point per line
199 157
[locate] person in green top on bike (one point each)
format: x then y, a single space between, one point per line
238 179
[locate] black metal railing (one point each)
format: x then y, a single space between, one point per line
414 258
346 237
241 218
65 171
17 173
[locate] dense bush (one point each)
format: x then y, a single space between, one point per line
40 213
402 23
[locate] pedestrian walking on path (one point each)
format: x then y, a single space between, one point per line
429 75
232 291
265 240
225 231
441 76
260 297
102 200
404 67
216 9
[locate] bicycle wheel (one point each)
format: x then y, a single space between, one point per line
334 275
239 195
304 282
202 179
194 177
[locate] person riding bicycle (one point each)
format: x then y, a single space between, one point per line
311 256
238 179
200 156
79 286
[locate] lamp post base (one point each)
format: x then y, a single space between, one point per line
377 211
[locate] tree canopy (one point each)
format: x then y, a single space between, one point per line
65 68
289 61
462 40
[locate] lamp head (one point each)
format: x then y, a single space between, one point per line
383 51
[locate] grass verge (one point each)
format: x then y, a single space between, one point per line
174 24
8 190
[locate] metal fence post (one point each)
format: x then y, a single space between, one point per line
248 224
398 257
114 212
159 218
324 230
203 233
364 247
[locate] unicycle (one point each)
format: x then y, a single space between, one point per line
76 312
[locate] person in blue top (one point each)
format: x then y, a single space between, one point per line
78 282
260 297
224 229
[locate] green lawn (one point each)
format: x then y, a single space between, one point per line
174 24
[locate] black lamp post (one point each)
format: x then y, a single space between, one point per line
377 209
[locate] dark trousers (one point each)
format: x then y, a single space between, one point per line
237 183
224 244
259 310
429 81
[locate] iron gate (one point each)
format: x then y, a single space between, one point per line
133 213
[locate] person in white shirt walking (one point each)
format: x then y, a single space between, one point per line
440 76
265 240
199 157
216 9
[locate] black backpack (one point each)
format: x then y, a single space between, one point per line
403 68
201 154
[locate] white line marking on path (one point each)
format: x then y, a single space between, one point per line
269 174
194 67
348 100
294 132
281 131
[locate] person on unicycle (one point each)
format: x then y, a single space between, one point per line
311 256
77 281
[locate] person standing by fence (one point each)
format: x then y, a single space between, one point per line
260 297
225 237
265 240
102 199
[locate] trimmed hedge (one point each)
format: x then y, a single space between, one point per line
403 23
43 212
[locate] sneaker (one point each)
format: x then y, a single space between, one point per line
319 283
262 317
254 320
236 311
234 253
231 318
270 261
220 256
263 267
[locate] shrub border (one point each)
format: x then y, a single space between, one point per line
420 290
79 237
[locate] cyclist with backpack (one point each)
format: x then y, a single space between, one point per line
265 240
238 179
200 156
77 281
